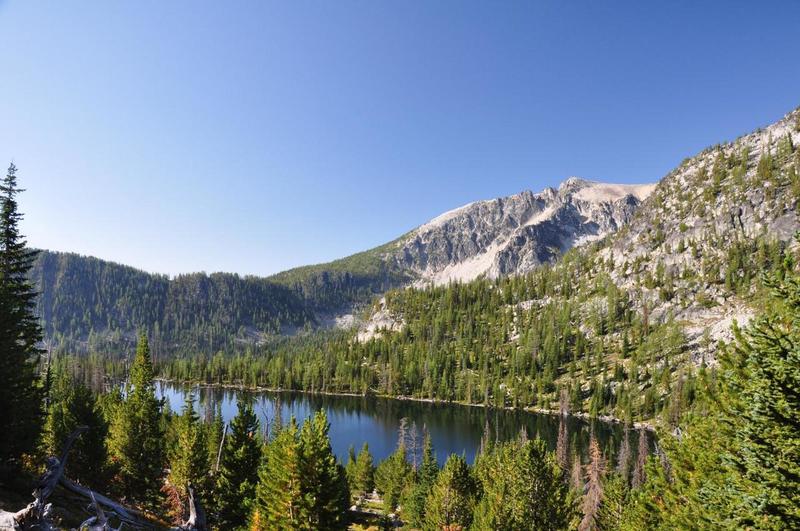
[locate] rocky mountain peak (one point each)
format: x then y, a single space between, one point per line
516 233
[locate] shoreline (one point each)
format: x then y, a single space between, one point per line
608 419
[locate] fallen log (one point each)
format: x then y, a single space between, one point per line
126 514
37 513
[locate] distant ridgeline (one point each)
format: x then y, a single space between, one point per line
88 304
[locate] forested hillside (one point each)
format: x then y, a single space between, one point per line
90 304
623 327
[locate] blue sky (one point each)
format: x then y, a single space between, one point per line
256 136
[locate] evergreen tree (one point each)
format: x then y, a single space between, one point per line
522 488
363 472
452 498
392 477
72 404
593 497
237 476
301 486
762 390
736 462
279 503
188 460
137 442
20 394
324 484
426 477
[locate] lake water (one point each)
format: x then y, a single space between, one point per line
354 420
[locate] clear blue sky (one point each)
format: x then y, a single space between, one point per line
255 136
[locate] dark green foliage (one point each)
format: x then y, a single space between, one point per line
324 488
86 298
72 404
137 443
764 394
736 463
279 496
426 477
237 476
20 394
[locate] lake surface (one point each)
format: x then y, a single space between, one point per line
354 420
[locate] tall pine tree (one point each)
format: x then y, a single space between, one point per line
137 441
426 477
20 394
324 483
238 470
452 499
188 460
279 497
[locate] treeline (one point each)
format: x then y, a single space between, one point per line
88 304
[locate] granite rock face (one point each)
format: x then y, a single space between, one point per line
514 234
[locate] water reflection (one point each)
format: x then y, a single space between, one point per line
356 419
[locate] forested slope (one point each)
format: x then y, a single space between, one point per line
622 327
91 304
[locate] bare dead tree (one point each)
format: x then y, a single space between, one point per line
36 514
197 516
593 497
523 435
222 444
413 444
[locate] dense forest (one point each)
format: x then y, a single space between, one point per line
89 304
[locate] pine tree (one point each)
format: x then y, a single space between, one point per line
73 404
301 486
188 462
137 443
734 465
624 456
363 472
452 498
523 488
392 477
639 470
324 484
426 477
350 469
20 394
279 503
762 389
237 476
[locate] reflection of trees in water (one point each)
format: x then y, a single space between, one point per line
458 422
